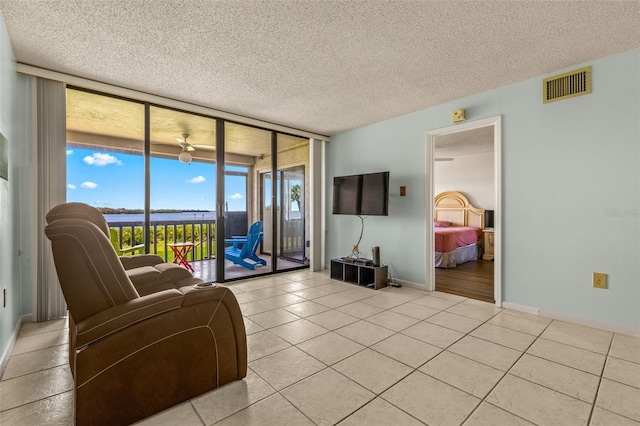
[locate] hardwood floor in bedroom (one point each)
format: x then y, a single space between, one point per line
472 279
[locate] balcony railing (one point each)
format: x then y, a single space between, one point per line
200 232
161 233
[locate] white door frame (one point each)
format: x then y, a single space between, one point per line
496 123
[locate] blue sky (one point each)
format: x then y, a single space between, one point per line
109 179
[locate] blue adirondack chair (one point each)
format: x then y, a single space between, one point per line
243 250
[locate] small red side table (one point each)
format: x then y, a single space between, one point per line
181 250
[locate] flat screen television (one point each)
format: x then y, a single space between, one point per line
362 195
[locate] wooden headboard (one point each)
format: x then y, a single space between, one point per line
452 206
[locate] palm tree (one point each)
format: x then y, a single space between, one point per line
295 194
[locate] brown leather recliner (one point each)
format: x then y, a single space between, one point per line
148 272
137 355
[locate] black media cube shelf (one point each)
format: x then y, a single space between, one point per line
363 275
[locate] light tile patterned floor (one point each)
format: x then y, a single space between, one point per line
324 352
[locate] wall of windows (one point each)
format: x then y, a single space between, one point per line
152 171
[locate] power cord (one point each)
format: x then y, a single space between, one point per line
391 282
355 252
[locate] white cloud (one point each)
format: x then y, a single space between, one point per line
197 179
69 151
71 186
99 159
236 196
89 185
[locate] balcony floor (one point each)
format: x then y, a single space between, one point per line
206 269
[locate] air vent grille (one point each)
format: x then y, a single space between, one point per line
567 85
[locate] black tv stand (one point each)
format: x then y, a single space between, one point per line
359 272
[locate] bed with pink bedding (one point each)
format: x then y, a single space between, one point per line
458 230
456 244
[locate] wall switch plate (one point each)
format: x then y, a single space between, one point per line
458 115
599 280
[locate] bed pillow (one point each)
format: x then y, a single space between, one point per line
441 223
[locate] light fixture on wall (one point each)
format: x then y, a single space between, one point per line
185 155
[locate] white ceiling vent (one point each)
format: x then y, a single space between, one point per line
567 85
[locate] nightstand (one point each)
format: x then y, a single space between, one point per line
488 244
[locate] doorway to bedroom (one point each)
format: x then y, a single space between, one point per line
463 184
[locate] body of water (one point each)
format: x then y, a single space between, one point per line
160 217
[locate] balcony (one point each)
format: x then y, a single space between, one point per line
200 232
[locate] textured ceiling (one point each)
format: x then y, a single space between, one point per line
321 66
469 142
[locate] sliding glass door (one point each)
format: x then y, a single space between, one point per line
293 216
244 147
292 241
182 189
283 204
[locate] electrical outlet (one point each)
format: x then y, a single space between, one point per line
599 280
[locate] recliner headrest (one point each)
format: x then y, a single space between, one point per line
75 210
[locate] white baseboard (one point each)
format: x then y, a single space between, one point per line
521 308
12 341
417 286
615 328
587 322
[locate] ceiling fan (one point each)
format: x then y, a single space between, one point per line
185 156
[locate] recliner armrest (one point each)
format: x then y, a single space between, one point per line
118 317
193 295
138 260
173 271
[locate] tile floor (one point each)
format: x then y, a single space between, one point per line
324 352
